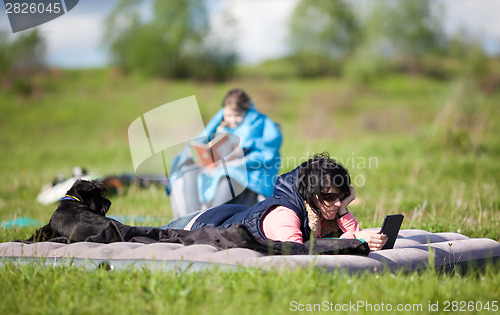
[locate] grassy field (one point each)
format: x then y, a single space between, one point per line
32 289
426 148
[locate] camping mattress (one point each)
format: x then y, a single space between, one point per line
414 249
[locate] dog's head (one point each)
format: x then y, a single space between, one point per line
91 194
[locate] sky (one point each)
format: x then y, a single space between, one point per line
74 40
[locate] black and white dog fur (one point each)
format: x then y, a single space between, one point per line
80 214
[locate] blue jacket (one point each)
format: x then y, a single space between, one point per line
285 194
260 138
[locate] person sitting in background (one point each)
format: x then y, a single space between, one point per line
308 202
252 172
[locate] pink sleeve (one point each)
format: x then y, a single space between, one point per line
348 225
282 224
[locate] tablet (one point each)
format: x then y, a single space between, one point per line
390 227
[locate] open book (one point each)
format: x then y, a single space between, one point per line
208 154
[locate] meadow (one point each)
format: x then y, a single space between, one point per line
427 148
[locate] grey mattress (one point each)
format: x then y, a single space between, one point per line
414 249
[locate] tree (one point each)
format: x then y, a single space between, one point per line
23 54
409 29
4 54
171 43
322 33
398 35
21 57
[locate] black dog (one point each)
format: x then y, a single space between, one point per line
82 212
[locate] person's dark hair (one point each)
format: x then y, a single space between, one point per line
317 175
238 98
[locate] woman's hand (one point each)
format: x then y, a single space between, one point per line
352 195
375 240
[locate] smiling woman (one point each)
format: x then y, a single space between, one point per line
309 202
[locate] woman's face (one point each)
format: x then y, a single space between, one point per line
233 116
329 208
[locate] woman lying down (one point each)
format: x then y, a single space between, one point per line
311 200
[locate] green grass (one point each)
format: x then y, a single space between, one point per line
63 290
425 148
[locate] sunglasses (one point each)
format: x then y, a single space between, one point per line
330 197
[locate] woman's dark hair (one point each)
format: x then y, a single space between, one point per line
318 174
238 98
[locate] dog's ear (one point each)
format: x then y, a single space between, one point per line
104 205
100 187
100 203
91 194
97 201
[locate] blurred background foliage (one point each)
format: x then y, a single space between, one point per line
323 33
20 59
359 41
175 42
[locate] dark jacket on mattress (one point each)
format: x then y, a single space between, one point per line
236 236
285 194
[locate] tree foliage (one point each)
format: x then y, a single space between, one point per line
403 35
21 58
364 39
413 30
22 54
175 41
322 33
